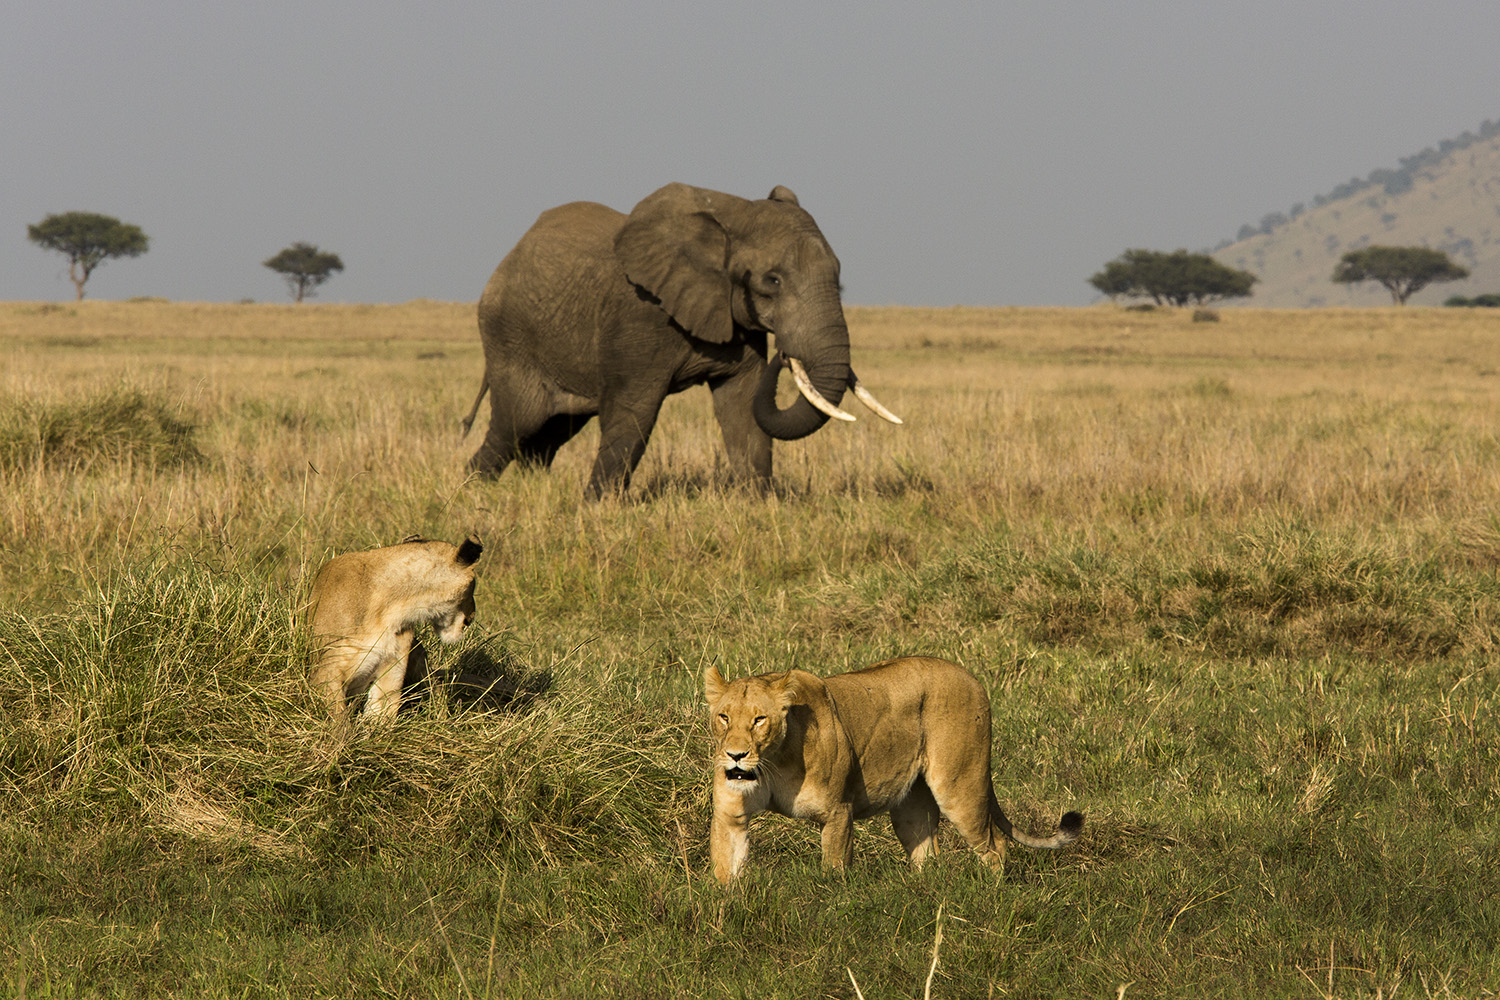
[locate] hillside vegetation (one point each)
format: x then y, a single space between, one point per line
1232 588
1449 203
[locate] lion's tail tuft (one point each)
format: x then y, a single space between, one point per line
1068 829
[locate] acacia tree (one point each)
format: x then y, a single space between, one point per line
1178 278
1402 270
87 239
304 267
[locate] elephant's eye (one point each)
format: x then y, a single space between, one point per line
773 280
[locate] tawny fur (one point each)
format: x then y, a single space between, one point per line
365 608
909 736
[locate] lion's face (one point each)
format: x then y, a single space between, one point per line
455 616
748 721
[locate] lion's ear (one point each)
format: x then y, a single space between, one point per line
800 687
468 552
713 684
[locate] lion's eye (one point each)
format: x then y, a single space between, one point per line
723 719
760 720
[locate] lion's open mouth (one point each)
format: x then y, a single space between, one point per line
739 774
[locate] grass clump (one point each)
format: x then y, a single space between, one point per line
124 425
178 701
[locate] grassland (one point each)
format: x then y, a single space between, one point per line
1232 586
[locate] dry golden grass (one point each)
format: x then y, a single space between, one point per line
1231 585
327 426
1358 414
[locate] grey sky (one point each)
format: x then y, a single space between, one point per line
976 153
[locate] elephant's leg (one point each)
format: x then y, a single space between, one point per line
517 411
538 450
626 419
498 448
747 446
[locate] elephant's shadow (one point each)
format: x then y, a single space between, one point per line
479 681
901 480
691 483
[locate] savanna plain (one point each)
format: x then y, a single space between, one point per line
1232 587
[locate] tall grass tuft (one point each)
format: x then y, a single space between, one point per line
177 700
123 425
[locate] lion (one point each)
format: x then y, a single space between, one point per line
364 609
909 736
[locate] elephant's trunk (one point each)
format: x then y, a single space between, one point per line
829 375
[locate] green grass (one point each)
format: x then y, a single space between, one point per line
1248 628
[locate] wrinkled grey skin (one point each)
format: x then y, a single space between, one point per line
599 313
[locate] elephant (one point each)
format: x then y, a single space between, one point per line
598 313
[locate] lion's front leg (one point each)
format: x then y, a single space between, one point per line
729 840
384 698
838 836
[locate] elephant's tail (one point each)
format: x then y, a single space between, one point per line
484 387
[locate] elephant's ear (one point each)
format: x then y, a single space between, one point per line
783 193
673 247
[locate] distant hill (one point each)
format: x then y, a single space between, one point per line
1447 199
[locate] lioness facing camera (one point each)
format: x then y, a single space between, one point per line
363 612
909 736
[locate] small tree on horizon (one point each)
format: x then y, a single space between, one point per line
1177 278
87 239
1404 271
304 267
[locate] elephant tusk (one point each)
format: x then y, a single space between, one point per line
812 395
868 398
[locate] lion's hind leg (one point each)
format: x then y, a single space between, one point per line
915 820
328 681
965 801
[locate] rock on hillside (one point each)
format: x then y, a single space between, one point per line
1452 205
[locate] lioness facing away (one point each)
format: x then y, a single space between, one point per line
909 736
365 607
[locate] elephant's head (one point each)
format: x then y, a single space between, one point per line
713 261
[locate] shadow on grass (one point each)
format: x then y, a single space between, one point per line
479 681
905 478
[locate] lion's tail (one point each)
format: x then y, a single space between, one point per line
1068 828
